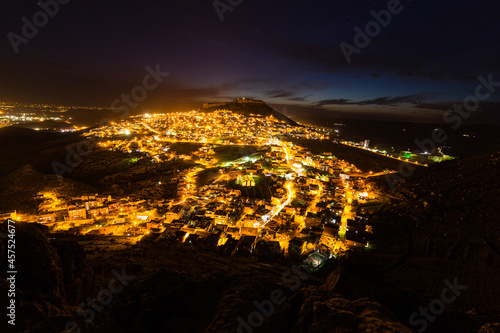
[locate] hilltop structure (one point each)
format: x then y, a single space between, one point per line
248 107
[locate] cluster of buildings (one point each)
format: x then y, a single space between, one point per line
94 214
34 115
281 199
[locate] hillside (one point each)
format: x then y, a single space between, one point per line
248 107
20 146
463 193
18 188
47 124
444 227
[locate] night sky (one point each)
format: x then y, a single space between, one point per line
285 52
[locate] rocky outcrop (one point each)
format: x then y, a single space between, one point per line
19 188
490 328
331 312
51 277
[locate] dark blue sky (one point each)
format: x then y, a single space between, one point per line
287 53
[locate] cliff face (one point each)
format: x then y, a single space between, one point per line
52 275
238 299
174 288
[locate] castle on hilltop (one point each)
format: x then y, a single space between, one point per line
242 100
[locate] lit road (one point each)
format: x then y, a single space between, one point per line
382 154
277 209
347 214
298 170
151 129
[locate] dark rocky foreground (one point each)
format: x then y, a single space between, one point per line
172 287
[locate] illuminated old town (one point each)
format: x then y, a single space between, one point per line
293 201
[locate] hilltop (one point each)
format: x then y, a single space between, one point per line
248 107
